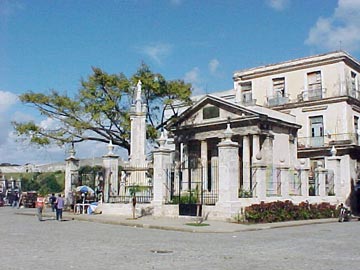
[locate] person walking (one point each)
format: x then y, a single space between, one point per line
52 202
59 207
40 205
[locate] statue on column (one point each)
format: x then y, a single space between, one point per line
138 91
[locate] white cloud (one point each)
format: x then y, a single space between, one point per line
213 66
157 51
340 31
193 77
278 5
49 123
7 100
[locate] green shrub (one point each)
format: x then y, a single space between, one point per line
286 211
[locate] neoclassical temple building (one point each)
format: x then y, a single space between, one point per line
286 131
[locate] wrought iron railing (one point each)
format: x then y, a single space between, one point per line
328 140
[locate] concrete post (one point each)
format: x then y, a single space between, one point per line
162 157
284 176
111 168
304 178
333 163
71 174
228 169
320 171
259 179
246 163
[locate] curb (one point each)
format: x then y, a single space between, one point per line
108 219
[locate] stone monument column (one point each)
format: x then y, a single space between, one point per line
138 130
137 159
111 168
161 165
71 175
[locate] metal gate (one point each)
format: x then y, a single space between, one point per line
193 185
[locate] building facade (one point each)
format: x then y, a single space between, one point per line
322 92
294 132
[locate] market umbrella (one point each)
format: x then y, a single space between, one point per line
85 189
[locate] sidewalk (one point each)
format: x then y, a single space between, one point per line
184 224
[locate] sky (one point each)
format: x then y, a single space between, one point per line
52 44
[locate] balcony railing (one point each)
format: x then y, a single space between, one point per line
328 140
277 100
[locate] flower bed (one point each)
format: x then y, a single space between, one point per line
286 211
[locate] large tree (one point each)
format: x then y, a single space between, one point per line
100 110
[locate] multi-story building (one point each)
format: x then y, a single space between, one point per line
295 125
322 92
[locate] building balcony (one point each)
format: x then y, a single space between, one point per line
339 139
277 100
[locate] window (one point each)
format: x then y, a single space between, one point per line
356 123
246 90
211 112
353 81
356 128
317 131
314 85
279 87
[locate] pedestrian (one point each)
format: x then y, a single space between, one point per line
53 202
59 207
40 205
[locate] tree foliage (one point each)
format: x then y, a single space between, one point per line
101 109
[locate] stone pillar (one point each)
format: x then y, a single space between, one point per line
333 163
228 169
284 176
304 178
71 175
162 158
320 171
204 150
138 131
255 145
246 163
111 168
259 178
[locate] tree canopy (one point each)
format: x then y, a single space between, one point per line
101 109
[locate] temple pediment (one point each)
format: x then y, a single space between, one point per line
212 110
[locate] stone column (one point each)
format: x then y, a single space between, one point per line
246 163
259 179
304 178
228 169
204 149
320 171
111 168
71 175
255 145
284 176
138 131
333 163
162 158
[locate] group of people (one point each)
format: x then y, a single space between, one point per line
56 202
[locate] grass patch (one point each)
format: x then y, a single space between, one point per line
197 224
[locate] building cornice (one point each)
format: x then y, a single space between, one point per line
307 62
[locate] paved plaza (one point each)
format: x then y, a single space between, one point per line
27 243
